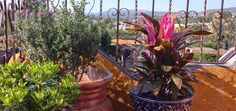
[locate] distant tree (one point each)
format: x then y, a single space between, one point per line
105 39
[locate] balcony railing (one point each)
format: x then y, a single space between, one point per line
119 13
218 94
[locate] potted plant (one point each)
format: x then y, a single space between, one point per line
68 38
164 83
3 49
35 87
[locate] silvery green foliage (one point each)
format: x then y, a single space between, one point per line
68 37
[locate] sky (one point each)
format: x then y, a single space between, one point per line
162 5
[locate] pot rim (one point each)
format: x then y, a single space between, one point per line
108 77
134 89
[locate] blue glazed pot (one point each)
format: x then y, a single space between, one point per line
146 104
9 55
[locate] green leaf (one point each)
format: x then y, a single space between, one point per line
177 80
6 102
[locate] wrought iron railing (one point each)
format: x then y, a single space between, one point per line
8 13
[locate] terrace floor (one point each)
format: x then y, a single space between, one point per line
214 95
217 94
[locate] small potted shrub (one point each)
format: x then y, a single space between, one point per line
164 83
35 87
69 39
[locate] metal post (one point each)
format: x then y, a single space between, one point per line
100 10
136 11
66 3
13 29
187 14
13 15
13 11
220 31
136 17
19 4
117 30
170 6
48 6
203 26
153 6
23 4
6 31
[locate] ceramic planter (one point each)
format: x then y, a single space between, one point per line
146 104
93 93
9 55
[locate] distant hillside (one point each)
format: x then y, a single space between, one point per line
231 9
157 13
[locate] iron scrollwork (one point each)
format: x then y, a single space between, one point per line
91 6
114 12
54 6
191 14
117 12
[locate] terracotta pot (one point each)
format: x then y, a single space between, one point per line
93 93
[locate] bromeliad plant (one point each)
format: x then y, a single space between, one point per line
163 59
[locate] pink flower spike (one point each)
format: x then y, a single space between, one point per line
165 18
169 31
167 24
151 32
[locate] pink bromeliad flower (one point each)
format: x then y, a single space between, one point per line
167 26
151 33
157 32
